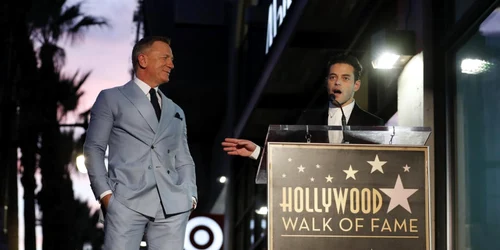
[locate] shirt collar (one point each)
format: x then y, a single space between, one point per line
349 107
143 86
346 108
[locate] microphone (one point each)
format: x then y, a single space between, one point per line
337 103
332 99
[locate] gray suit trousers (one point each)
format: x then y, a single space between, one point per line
125 229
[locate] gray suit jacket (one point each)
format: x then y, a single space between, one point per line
144 153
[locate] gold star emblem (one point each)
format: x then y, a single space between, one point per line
350 173
377 165
406 168
301 169
329 178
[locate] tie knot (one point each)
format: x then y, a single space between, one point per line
152 91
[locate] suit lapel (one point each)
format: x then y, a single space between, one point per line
167 112
324 116
354 120
317 116
141 102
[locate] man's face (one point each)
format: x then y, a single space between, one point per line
158 62
341 83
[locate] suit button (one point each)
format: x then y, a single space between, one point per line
157 166
152 147
168 150
168 171
149 167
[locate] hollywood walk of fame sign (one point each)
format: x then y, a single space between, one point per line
325 196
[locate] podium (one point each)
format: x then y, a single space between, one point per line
370 192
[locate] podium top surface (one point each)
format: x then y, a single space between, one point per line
391 135
369 135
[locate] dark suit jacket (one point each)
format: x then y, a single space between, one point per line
359 117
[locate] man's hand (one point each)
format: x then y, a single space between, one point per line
234 146
194 204
105 201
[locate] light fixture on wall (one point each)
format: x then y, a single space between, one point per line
474 66
392 48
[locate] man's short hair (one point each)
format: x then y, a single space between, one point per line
347 59
144 44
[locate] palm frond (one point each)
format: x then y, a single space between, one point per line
41 19
82 80
69 91
69 17
50 53
75 33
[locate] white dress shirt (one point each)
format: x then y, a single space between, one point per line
145 89
335 119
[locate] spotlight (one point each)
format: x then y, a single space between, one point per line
392 48
386 60
222 179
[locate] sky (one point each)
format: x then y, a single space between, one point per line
105 51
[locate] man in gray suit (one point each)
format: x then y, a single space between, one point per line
150 184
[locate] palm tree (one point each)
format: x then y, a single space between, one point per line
49 22
60 210
21 73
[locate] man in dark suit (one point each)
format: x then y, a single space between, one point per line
149 185
342 82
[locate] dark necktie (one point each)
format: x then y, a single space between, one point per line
154 101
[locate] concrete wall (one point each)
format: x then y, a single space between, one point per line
411 93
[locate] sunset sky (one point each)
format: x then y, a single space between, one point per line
104 51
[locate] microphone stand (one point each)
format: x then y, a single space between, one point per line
343 119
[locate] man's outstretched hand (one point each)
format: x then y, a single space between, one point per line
241 147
